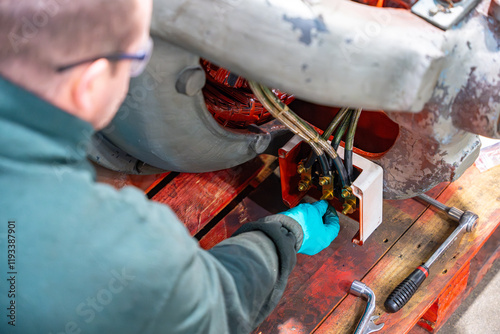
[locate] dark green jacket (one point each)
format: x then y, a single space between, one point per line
91 259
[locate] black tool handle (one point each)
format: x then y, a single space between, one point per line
406 289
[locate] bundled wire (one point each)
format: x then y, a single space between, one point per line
336 121
349 142
283 113
328 132
339 134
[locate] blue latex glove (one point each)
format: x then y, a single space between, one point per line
320 226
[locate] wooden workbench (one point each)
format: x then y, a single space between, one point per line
214 205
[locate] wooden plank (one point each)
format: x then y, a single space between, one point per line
197 198
418 244
320 282
155 183
247 210
484 259
448 301
478 267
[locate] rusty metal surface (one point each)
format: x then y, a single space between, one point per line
416 164
465 98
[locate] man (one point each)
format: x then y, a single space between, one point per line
81 257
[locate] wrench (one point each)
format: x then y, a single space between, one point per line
467 222
366 324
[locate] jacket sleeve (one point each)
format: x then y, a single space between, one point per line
279 237
234 286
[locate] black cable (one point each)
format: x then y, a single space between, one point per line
348 165
340 132
342 113
325 166
344 179
349 144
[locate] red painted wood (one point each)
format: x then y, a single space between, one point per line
483 261
479 266
447 303
151 186
197 198
318 283
245 212
418 330
466 193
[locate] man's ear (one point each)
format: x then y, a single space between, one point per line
87 88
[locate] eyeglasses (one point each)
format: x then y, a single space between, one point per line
139 60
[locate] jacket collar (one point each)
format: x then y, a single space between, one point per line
32 128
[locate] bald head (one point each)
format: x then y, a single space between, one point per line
42 35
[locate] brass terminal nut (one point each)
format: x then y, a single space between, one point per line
349 206
324 181
346 192
348 209
301 169
304 185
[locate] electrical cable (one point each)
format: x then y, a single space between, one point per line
328 132
324 164
335 123
257 91
341 131
311 133
283 113
349 143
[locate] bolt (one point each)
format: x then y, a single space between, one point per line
346 192
190 80
324 181
347 209
303 185
434 11
301 169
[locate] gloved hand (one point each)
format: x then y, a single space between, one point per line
320 226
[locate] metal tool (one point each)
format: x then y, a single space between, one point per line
367 323
467 222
